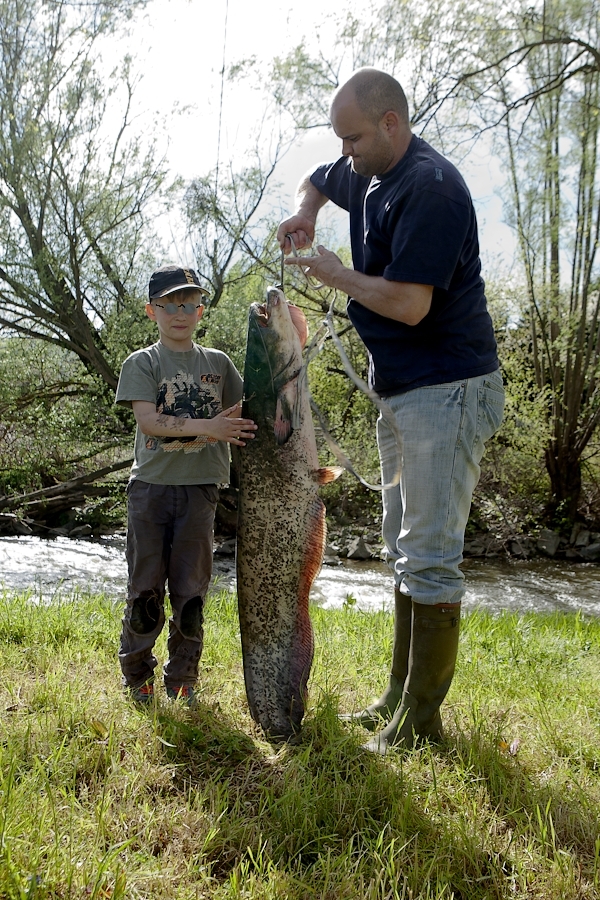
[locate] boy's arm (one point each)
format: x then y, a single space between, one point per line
227 426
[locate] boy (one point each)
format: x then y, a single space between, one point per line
186 402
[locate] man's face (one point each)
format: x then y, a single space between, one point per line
369 145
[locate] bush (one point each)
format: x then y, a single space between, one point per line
55 416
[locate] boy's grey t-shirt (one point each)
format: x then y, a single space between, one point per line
196 384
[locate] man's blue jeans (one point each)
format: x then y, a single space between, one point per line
444 428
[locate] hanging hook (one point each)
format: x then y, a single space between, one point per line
309 278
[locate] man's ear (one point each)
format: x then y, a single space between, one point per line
150 312
390 121
200 311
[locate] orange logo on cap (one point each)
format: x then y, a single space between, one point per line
189 276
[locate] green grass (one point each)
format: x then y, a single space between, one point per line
102 800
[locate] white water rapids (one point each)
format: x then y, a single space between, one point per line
63 565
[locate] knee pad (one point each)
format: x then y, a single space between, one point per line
145 613
191 621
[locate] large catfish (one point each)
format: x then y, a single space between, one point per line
281 520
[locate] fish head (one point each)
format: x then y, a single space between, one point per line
274 349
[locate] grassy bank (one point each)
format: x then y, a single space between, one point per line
102 800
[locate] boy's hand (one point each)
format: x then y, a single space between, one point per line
228 426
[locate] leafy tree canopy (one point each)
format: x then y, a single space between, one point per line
74 194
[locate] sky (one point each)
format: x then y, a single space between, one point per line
179 46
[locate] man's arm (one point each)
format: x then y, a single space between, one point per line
227 426
301 225
404 301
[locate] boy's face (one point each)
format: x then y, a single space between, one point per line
176 328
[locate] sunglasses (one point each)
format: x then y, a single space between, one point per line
172 308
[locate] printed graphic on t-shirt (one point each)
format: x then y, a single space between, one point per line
184 398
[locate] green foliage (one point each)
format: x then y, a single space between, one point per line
351 419
76 230
225 327
54 415
75 188
128 328
537 77
527 78
303 86
513 466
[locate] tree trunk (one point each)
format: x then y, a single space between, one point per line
564 469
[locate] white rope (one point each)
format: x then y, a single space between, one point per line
384 408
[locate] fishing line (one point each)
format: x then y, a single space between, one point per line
282 271
221 98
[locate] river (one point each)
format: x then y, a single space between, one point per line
63 565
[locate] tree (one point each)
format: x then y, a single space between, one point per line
223 223
425 46
228 215
541 94
527 78
73 200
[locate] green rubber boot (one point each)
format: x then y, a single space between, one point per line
384 708
431 661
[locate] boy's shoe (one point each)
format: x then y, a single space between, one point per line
184 692
143 695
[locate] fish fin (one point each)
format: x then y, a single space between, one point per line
286 411
328 473
282 427
315 543
301 385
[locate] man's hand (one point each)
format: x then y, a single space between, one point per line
403 301
301 225
302 230
326 267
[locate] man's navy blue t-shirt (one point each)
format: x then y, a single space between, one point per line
417 223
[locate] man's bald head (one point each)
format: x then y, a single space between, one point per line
375 93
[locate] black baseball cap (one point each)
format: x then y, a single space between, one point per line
169 279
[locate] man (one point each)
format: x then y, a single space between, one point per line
417 300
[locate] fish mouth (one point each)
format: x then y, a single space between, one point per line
261 314
262 311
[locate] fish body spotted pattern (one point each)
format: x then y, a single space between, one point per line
281 521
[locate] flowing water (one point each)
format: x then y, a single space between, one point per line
63 565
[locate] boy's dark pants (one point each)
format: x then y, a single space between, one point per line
169 538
